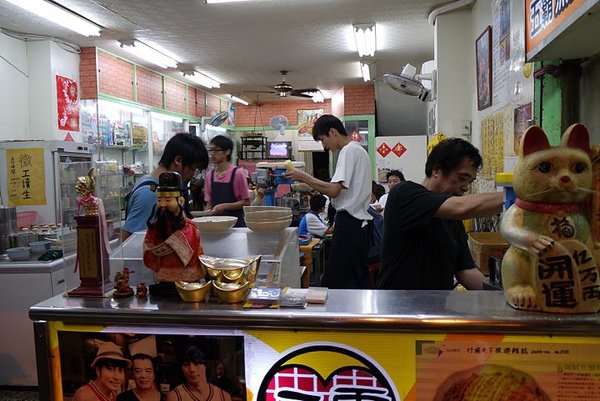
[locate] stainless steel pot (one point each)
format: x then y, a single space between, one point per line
5 243
24 238
8 220
8 213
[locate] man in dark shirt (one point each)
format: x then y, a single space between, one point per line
424 241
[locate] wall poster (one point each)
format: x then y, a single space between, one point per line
494 130
331 365
483 58
26 177
67 97
306 120
501 52
523 119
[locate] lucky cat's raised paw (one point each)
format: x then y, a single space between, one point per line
521 297
541 245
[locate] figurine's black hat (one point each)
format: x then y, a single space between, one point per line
169 182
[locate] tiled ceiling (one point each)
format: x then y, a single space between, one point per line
244 45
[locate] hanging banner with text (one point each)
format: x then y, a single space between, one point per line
25 176
67 98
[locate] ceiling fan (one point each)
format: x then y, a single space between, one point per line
284 89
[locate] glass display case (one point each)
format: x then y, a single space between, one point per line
164 126
108 180
279 267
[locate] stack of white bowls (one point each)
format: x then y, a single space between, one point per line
267 218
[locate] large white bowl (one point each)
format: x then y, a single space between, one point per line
259 218
251 209
19 253
268 226
214 223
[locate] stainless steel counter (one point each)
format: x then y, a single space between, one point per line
34 266
423 311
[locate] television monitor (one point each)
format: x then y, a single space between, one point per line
279 150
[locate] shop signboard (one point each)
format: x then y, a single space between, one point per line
546 19
279 364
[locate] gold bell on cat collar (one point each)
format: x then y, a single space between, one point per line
505 180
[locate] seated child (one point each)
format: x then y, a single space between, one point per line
311 223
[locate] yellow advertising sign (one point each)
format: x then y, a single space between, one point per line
276 365
25 177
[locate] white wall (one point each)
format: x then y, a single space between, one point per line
64 63
454 53
481 18
46 60
399 114
14 102
40 90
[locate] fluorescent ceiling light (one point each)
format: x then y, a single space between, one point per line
221 1
364 70
367 70
201 79
59 15
365 39
147 53
237 99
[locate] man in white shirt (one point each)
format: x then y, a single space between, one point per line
350 194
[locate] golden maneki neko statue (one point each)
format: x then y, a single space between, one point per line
172 243
552 263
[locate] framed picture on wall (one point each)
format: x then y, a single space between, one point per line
483 59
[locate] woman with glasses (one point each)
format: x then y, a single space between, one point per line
225 187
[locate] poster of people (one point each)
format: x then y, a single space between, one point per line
168 367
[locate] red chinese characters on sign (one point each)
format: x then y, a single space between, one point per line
384 149
347 375
67 97
398 149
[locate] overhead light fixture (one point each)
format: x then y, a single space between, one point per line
221 1
147 53
368 70
236 99
364 34
201 79
59 15
318 97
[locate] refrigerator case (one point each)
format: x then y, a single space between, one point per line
30 176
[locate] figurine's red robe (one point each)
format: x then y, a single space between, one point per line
176 258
